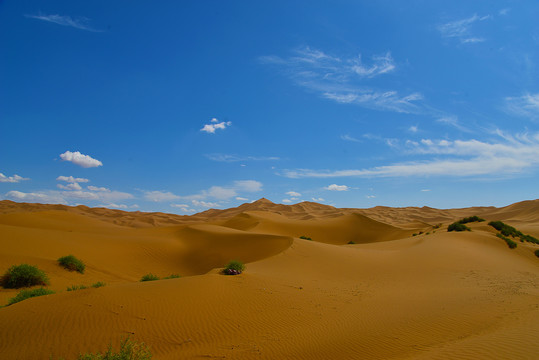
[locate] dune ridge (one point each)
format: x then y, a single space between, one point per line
391 295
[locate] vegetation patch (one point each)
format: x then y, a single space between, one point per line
305 237
456 226
507 230
129 350
98 284
536 253
234 267
26 294
76 287
508 241
172 276
71 263
149 277
23 275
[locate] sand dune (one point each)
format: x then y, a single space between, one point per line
390 296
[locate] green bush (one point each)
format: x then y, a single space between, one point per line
129 350
71 263
23 275
508 241
26 294
507 230
172 276
456 226
305 237
98 284
234 267
149 277
470 219
536 253
76 287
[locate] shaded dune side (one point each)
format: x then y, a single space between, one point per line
209 246
335 230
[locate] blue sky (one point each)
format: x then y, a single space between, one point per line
179 106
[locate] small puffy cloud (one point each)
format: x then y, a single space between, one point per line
76 157
183 207
425 190
71 179
95 188
205 204
221 193
413 129
248 185
335 187
11 179
293 194
317 199
70 186
286 201
370 196
241 198
215 125
160 196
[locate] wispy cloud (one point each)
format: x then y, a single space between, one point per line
343 79
454 122
349 138
86 161
160 196
183 207
215 125
526 105
515 155
64 20
293 193
461 29
71 179
236 158
71 194
11 179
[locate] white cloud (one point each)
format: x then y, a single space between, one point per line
53 198
317 199
220 192
343 79
160 196
183 207
453 121
71 179
76 157
370 196
460 29
286 201
413 129
293 194
78 23
425 190
12 179
215 125
526 105
241 198
95 188
464 159
504 11
70 186
105 196
114 206
205 204
349 138
248 185
335 187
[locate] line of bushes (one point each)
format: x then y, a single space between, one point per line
508 241
459 225
508 230
152 277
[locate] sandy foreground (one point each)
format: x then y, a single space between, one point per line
391 295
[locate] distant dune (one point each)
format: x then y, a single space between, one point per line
379 283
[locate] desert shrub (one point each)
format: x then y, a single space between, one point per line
234 267
71 263
98 284
456 226
508 230
305 237
23 275
470 219
172 276
149 277
76 287
26 294
536 253
129 350
508 241
437 226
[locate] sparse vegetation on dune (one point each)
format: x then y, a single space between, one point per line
536 253
23 275
26 294
508 241
71 263
459 225
234 267
305 237
149 277
507 230
129 350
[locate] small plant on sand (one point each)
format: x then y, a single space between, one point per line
234 267
172 276
26 294
508 241
76 287
71 263
129 350
98 284
23 275
305 237
536 253
149 277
